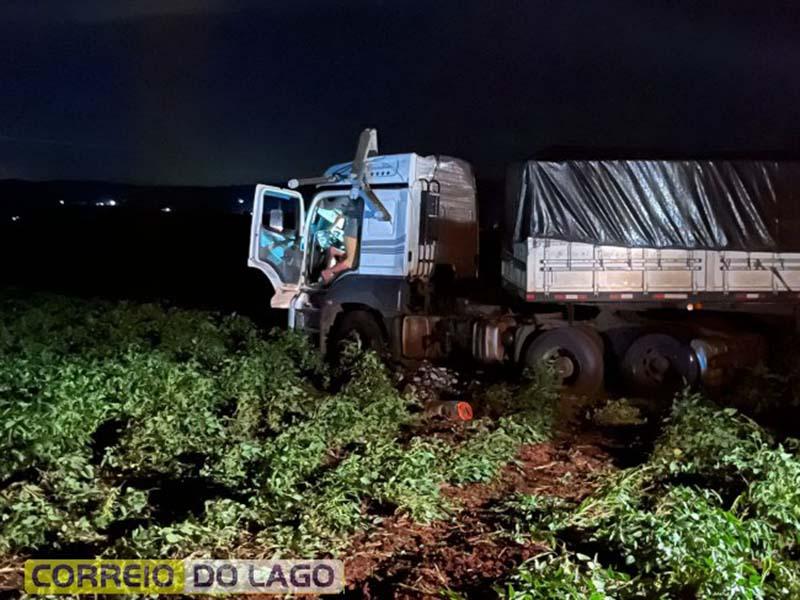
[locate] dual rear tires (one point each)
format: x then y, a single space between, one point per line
655 364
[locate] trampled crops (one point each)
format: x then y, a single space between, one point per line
133 430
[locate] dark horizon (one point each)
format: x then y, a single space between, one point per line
212 92
556 153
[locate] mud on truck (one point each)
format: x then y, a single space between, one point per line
645 270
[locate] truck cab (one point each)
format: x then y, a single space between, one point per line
413 216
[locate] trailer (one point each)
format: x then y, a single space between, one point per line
385 251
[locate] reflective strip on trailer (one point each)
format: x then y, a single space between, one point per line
670 296
666 297
571 296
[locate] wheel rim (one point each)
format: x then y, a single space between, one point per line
576 358
564 364
659 363
352 337
653 366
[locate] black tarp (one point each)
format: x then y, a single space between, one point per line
703 204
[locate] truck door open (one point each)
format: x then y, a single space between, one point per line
276 240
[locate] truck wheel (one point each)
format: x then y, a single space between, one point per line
659 364
576 355
356 326
594 335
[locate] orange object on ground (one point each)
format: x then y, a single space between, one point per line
464 411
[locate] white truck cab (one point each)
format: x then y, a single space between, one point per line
425 197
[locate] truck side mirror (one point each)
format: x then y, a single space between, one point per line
276 220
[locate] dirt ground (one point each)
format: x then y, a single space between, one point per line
470 553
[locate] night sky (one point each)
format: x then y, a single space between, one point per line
214 92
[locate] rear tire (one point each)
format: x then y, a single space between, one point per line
577 355
594 335
659 364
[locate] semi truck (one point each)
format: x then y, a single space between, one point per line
642 271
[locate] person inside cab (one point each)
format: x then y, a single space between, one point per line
339 238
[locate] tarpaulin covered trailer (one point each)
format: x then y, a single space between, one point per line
601 229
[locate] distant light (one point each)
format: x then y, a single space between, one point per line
166 209
240 201
61 202
15 218
111 202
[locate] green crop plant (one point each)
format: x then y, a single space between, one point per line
107 408
712 514
104 403
567 576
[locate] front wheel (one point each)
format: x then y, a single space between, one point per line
358 327
576 356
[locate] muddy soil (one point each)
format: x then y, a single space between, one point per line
10 576
473 551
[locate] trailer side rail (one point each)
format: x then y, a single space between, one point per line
545 269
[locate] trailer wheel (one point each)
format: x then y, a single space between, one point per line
659 364
356 326
577 358
594 335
